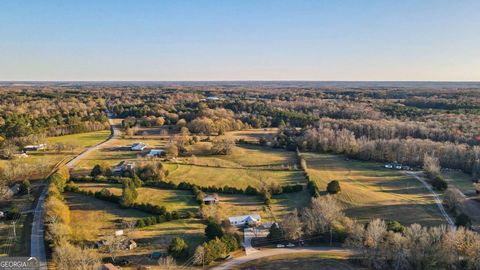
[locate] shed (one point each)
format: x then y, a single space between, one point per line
211 199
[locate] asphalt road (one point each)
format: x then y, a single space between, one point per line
278 251
37 241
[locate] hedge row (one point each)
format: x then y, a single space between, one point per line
189 186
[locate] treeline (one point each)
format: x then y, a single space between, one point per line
396 129
249 190
27 113
406 151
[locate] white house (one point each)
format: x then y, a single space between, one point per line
156 153
138 146
213 98
244 220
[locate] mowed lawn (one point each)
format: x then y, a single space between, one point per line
173 200
460 180
370 191
92 218
247 165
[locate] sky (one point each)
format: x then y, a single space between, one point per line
201 40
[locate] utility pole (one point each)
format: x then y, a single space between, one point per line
14 231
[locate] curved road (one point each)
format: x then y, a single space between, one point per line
279 251
437 199
37 241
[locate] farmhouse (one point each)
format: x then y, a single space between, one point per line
35 147
138 146
245 220
156 153
211 199
123 166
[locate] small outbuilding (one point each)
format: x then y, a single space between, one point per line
156 153
131 244
138 146
211 199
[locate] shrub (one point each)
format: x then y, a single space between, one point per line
439 183
213 230
395 226
178 248
333 187
463 220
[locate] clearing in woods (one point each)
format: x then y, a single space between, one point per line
370 191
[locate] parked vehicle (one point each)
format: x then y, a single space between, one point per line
290 245
280 246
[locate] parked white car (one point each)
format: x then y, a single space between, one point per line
280 246
290 245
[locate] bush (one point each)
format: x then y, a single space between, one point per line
333 187
13 213
178 248
439 183
213 230
395 226
463 220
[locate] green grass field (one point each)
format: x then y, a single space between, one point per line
92 219
370 191
173 200
460 180
46 160
247 165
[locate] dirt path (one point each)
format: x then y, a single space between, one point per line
437 199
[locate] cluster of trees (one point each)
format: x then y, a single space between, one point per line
406 151
219 244
416 247
58 231
28 112
397 129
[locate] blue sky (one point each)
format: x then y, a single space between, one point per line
240 40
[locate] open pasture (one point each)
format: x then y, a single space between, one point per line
173 200
370 191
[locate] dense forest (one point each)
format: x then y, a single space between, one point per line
381 124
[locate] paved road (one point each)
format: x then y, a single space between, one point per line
437 199
37 241
278 251
249 234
